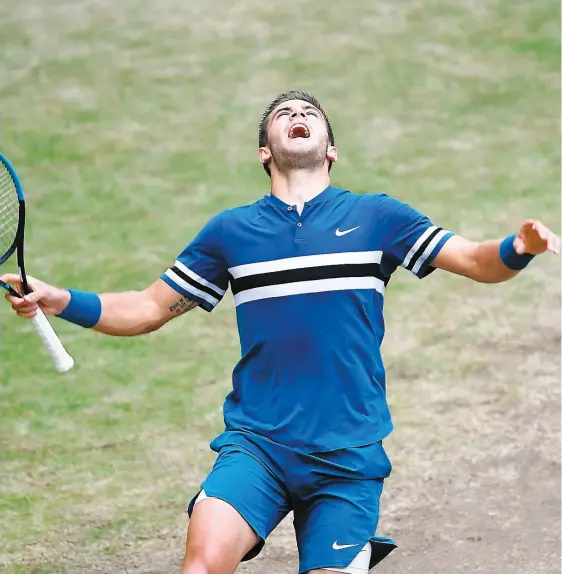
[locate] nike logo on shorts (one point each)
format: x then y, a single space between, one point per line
340 233
337 546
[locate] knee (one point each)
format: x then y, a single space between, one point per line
196 567
207 563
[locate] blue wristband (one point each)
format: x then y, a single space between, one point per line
83 309
510 257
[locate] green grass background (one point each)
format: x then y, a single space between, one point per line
131 123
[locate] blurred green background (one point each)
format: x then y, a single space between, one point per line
133 122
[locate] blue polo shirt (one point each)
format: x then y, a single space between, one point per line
309 294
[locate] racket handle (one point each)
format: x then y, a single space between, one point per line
63 361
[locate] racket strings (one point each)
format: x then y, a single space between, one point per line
9 210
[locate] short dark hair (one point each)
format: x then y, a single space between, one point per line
291 95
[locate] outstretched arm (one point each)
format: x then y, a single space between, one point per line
496 261
123 314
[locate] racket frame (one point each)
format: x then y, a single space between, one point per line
19 237
62 359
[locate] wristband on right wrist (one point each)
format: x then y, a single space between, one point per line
83 309
510 257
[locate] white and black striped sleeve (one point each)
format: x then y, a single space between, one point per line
410 238
200 273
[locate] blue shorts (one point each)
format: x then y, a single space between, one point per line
334 496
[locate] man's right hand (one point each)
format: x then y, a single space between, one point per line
52 300
126 313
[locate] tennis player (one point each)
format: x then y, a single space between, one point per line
308 265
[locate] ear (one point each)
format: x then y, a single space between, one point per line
332 153
264 155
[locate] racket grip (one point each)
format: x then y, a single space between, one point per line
63 361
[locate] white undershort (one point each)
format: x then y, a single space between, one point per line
201 496
360 564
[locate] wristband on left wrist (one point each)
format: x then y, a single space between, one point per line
510 257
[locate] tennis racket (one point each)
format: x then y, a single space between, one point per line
12 224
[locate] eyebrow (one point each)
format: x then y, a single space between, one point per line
306 107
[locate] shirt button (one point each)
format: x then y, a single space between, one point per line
299 224
289 208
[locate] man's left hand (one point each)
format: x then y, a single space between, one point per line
535 238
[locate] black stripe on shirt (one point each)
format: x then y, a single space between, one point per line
195 283
422 248
308 274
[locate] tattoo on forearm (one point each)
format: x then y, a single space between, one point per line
183 305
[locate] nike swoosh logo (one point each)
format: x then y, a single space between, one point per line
337 546
340 233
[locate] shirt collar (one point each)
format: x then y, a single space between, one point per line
328 194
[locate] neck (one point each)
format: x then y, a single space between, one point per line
299 186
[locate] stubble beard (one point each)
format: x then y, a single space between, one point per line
287 160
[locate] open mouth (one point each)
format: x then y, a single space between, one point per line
299 131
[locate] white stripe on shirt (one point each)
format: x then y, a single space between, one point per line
353 257
190 288
428 250
417 245
198 278
304 287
